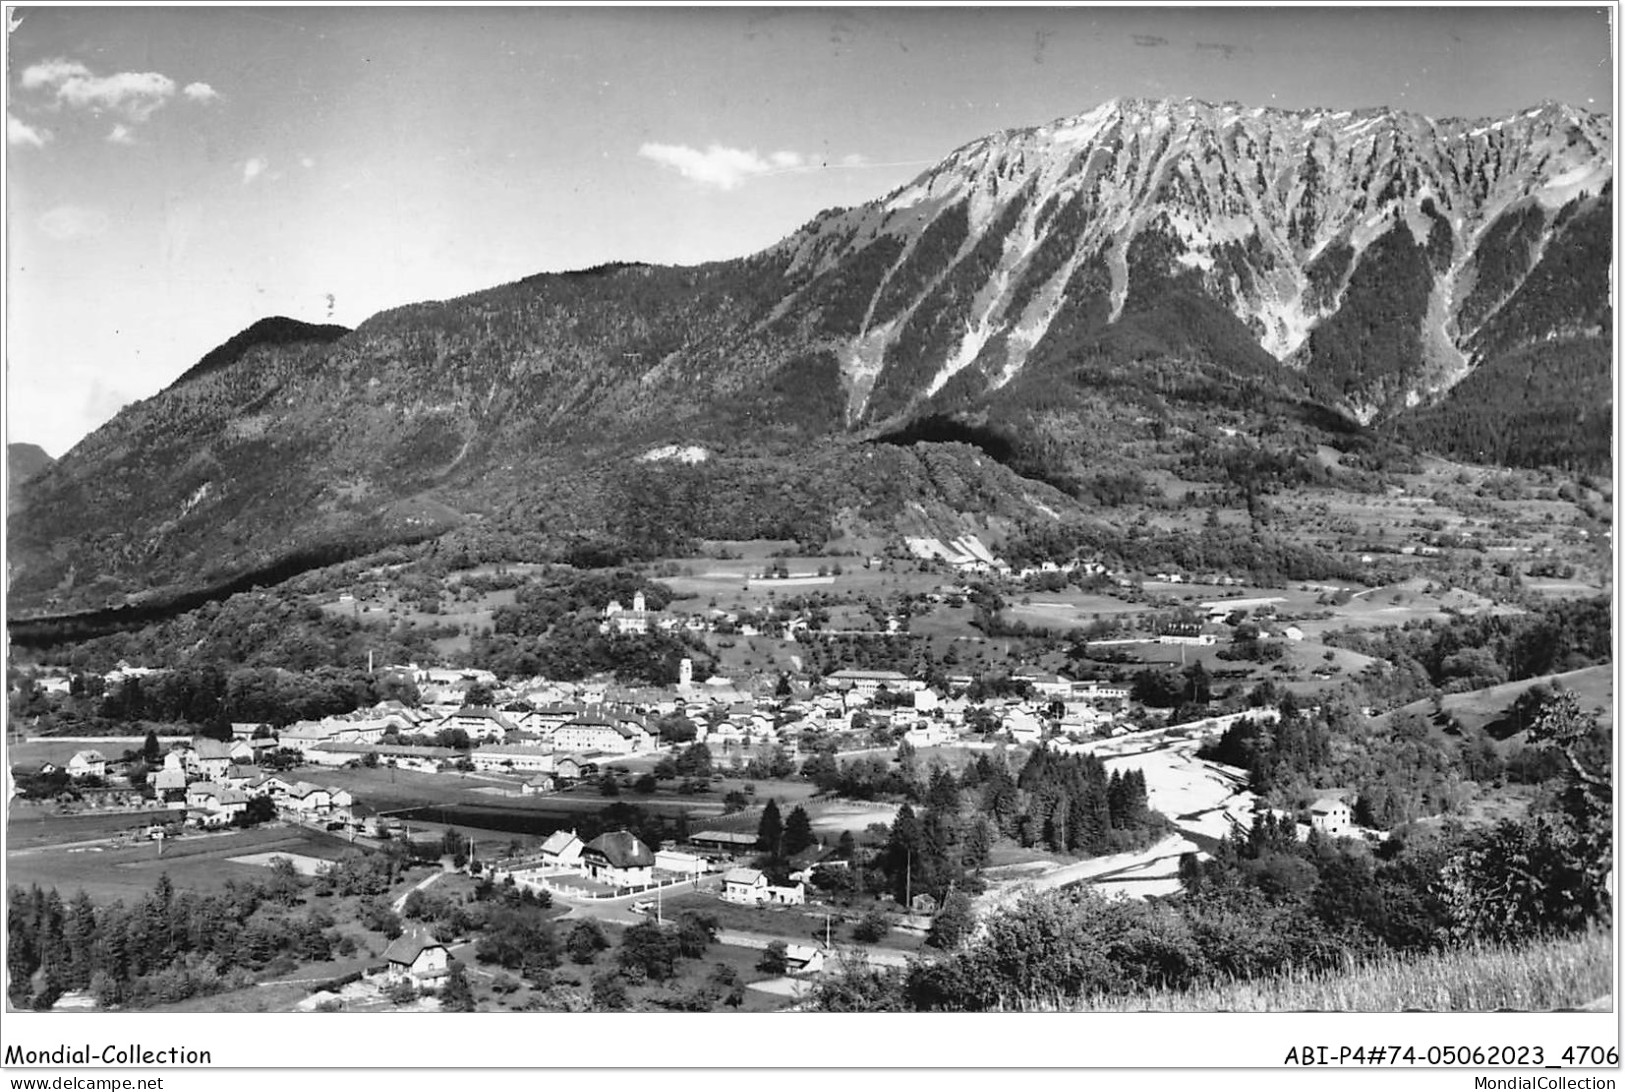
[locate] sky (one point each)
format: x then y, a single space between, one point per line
174 174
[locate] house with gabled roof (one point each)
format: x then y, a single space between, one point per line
208 758
308 799
89 763
619 858
168 779
744 885
416 956
562 849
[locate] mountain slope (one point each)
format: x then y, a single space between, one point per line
1082 289
24 461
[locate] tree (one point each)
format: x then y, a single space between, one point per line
261 809
608 992
774 959
151 752
798 832
723 985
872 927
649 950
585 941
695 933
953 922
455 995
479 695
770 831
695 761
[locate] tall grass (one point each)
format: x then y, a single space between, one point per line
1562 973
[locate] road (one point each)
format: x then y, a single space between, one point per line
400 903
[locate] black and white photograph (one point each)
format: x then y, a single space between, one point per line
810 510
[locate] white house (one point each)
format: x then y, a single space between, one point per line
308 799
744 885
167 778
208 758
87 764
562 849
1329 815
749 887
619 858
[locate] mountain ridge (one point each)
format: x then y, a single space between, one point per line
1094 282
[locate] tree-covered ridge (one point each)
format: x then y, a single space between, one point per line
1504 256
1567 293
267 331
1546 404
1372 345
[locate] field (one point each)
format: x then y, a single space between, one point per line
198 862
60 751
728 584
1594 686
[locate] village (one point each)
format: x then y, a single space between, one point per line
622 802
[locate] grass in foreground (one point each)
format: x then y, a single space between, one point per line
1564 973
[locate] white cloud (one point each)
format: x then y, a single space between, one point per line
254 168
47 73
21 134
306 162
133 95
67 222
725 168
854 160
121 135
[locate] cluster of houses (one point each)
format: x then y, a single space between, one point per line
218 780
215 781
